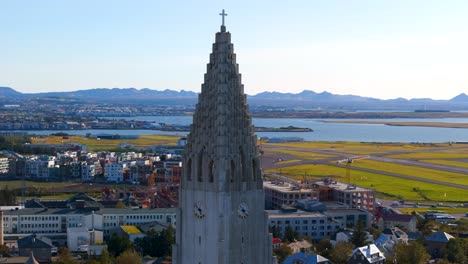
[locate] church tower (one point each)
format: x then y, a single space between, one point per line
221 218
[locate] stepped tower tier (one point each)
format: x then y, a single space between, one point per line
222 218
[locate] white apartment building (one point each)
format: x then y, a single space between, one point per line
315 226
54 222
38 169
87 172
4 165
113 172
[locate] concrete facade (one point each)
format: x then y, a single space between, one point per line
282 193
314 226
222 218
349 194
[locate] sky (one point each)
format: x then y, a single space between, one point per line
383 49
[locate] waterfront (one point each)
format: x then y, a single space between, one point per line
321 131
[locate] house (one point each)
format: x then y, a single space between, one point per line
276 242
367 255
345 236
131 232
404 221
41 247
300 246
77 237
305 258
396 234
435 244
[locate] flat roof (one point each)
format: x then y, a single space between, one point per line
344 186
102 211
298 213
131 230
285 187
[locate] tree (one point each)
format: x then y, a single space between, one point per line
65 257
282 252
105 257
129 256
414 253
4 251
120 205
7 196
456 250
290 234
118 244
157 244
324 247
359 236
341 252
275 231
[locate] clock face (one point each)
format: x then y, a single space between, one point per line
243 210
199 210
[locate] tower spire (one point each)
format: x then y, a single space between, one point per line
223 27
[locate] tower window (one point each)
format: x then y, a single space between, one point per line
210 168
254 170
189 170
233 171
200 165
242 164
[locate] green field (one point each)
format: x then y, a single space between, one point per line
425 173
452 163
458 210
42 185
303 154
95 144
430 155
386 186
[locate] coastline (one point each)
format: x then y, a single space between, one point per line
415 124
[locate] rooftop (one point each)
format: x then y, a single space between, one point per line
102 211
343 186
285 187
298 213
131 230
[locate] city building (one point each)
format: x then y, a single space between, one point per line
349 194
4 166
222 218
350 217
313 225
279 193
113 172
54 223
40 247
389 219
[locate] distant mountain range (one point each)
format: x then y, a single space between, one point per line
305 99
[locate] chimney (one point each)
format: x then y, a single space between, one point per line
1 228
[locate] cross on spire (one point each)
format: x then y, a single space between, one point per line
223 14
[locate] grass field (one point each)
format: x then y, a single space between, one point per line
303 155
386 186
425 173
41 185
95 144
364 148
453 163
431 155
440 209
